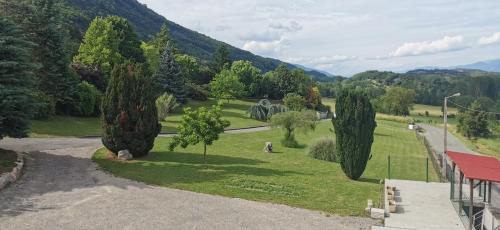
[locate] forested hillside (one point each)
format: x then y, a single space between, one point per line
146 23
430 86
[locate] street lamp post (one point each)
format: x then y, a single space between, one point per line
445 116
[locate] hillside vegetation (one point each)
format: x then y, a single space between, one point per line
146 23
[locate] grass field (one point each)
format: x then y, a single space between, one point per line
235 111
237 167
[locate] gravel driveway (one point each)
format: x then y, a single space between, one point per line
63 189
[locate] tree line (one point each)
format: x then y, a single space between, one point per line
64 76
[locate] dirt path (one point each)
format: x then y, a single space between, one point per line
63 189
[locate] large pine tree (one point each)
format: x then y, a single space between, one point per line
354 125
45 29
129 116
168 77
16 81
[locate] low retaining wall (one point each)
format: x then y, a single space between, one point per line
13 176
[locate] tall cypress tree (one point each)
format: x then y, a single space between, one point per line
129 116
16 81
44 28
354 125
169 78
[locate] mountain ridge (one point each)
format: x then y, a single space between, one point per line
147 22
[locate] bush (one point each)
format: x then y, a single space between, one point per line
292 121
264 110
197 92
165 104
323 149
87 100
294 102
44 106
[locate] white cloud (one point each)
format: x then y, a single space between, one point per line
333 59
264 36
266 47
292 27
429 47
488 40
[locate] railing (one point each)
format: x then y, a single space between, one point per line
477 220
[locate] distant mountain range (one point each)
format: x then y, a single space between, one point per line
147 23
488 66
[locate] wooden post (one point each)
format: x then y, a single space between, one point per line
471 206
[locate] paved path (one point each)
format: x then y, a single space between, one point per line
423 206
435 137
63 189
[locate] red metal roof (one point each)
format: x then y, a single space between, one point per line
477 167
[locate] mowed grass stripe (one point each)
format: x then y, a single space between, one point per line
237 167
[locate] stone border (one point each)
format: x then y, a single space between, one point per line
13 176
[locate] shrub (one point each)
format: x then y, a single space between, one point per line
323 149
165 104
292 121
197 92
264 110
44 106
86 99
129 117
294 102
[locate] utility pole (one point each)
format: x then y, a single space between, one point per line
445 136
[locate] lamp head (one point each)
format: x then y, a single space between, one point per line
456 95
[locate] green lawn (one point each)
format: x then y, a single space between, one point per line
7 160
237 167
484 145
235 111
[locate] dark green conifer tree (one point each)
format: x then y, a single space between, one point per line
54 77
354 124
129 116
220 58
168 77
16 80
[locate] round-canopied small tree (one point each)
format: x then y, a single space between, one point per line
354 124
129 115
201 125
290 122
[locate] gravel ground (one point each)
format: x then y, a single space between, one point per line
63 189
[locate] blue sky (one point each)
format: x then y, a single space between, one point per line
346 37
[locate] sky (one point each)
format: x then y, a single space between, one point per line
346 37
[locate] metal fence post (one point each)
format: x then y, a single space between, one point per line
427 170
389 166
